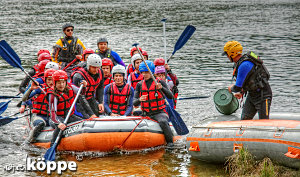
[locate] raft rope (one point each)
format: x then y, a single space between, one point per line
130 134
249 128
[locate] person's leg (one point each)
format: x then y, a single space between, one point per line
94 106
249 110
38 123
264 108
162 119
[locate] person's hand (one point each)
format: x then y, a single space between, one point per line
167 67
78 57
62 126
101 108
158 86
113 114
84 83
143 98
93 116
33 86
229 87
238 95
22 109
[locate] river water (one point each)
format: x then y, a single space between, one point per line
269 28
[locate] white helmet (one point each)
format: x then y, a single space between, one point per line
52 65
118 69
94 60
135 57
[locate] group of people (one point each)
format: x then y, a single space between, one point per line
111 88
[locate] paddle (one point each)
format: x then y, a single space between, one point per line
174 116
50 154
4 105
8 119
193 97
10 56
164 33
8 97
72 62
185 36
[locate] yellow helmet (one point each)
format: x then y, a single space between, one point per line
232 49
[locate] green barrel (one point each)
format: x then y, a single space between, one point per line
225 102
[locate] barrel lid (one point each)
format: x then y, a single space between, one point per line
223 97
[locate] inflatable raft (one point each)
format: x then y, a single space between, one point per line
217 138
107 134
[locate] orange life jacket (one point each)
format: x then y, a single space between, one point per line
65 101
92 85
134 80
154 101
118 100
39 104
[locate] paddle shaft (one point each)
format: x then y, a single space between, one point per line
164 33
72 62
69 113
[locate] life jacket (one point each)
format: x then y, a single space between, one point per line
118 100
154 101
39 104
135 80
39 75
107 54
92 85
36 68
130 69
68 52
108 80
258 77
65 101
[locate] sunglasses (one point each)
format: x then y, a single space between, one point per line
68 30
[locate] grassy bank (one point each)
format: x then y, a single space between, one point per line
244 164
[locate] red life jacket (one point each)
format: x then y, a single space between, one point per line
36 68
39 104
92 85
108 80
154 101
118 100
65 101
129 69
39 75
134 80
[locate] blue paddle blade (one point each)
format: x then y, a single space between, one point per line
178 123
9 55
6 120
50 154
185 36
3 106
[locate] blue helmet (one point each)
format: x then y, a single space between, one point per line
143 67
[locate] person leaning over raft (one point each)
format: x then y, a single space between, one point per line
118 96
252 78
60 98
104 52
151 99
67 48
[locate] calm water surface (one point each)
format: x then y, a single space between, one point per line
269 28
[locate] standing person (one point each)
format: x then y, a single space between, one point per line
67 48
107 66
136 75
118 96
251 77
104 52
93 75
130 68
150 97
42 54
60 98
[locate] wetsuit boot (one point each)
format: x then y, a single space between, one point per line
35 132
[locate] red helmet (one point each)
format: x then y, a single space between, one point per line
134 49
43 51
42 65
159 61
44 56
59 75
107 62
49 73
144 53
87 51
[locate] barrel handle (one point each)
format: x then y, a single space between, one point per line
194 146
293 153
